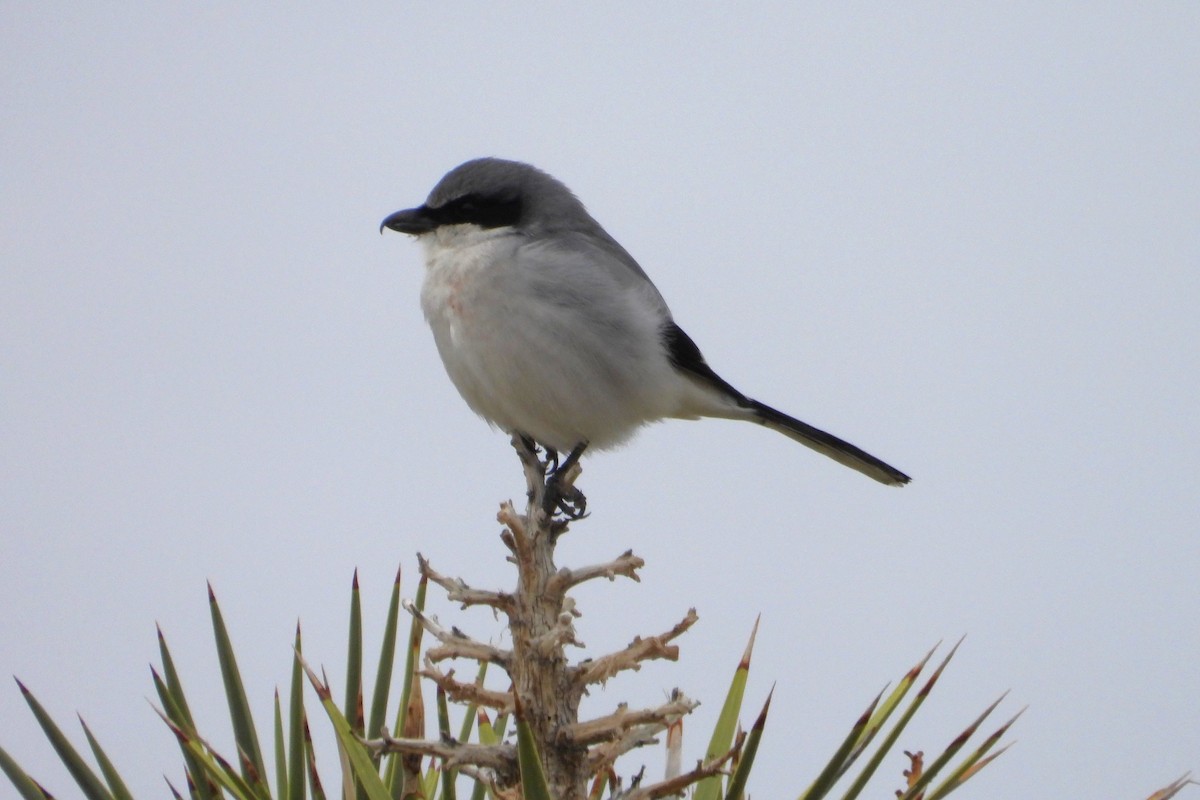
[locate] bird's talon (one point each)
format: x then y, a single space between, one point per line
574 505
571 503
550 465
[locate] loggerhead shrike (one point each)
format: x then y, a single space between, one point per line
551 331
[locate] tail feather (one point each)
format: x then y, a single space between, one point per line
827 444
717 398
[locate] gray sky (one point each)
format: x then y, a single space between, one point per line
964 237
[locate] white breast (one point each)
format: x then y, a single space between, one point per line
543 343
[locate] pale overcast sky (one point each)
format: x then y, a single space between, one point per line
963 236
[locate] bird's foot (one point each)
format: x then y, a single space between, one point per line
550 463
564 500
561 501
561 497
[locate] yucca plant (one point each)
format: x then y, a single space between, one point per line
551 752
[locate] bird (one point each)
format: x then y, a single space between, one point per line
552 332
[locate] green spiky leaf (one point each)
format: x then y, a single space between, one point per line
829 775
26 786
204 788
722 736
893 700
737 784
448 775
942 760
211 764
387 660
533 776
244 733
281 770
354 754
352 709
89 783
115 783
394 773
297 760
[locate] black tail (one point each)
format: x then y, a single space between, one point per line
828 444
687 357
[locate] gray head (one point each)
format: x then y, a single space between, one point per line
493 193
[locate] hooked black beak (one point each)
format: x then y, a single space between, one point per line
412 220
